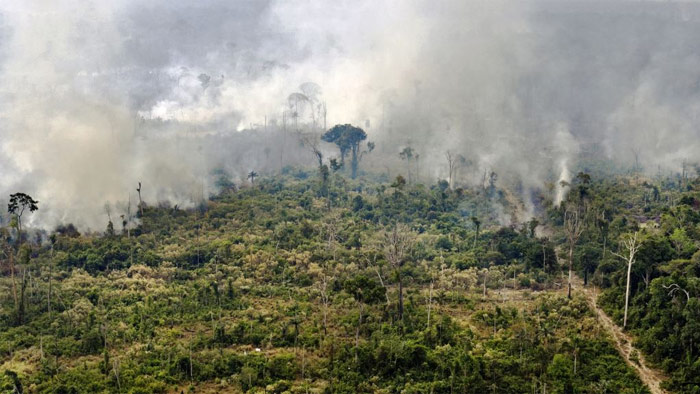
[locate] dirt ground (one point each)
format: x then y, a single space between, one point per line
623 342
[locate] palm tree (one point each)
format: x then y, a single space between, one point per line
251 176
477 224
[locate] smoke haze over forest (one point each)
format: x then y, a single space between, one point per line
96 96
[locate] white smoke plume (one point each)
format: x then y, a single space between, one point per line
96 96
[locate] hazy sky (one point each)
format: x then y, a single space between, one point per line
96 95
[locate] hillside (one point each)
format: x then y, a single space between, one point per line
267 289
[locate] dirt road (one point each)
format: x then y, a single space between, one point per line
623 342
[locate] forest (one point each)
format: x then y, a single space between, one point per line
367 196
330 280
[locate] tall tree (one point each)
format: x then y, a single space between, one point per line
19 203
397 244
532 226
312 92
630 243
252 175
348 139
9 253
574 219
454 162
409 155
138 190
477 225
297 101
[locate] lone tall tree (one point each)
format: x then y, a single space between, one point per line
397 244
138 190
631 244
19 203
454 162
477 225
408 154
347 138
574 219
252 175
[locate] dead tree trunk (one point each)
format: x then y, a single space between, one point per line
397 244
138 190
631 244
573 225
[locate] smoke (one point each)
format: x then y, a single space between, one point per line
96 96
568 148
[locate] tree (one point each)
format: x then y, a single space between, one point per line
252 175
454 162
365 291
532 226
335 166
685 247
409 155
324 291
312 143
348 139
399 183
573 226
477 224
493 177
325 184
110 225
588 257
312 92
451 167
138 190
20 202
631 244
397 244
294 100
654 251
9 253
674 288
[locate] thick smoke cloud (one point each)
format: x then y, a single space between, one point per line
96 96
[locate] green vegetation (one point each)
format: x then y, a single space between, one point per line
320 283
665 274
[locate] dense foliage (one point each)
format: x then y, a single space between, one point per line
318 283
665 276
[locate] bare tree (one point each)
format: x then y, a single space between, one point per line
376 268
295 100
485 275
324 291
331 227
397 244
454 162
637 167
116 369
110 224
312 142
312 92
451 167
574 220
673 288
630 244
138 190
409 155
